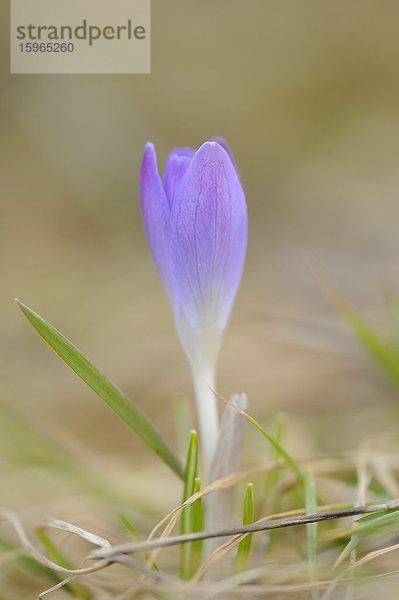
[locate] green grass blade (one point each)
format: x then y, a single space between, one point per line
190 474
311 529
191 468
76 590
130 528
274 476
280 427
386 521
104 388
384 351
197 524
381 522
280 452
244 548
351 545
28 563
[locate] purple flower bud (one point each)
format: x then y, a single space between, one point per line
196 224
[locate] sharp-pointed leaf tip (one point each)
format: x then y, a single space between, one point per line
123 406
21 305
25 308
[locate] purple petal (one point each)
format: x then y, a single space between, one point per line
174 171
207 238
222 142
156 213
183 151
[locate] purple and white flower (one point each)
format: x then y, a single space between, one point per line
196 224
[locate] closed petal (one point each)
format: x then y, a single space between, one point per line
222 142
156 214
176 167
207 237
183 151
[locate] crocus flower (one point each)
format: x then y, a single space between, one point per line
196 224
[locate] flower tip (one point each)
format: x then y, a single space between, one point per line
210 150
222 142
149 150
217 150
149 164
211 144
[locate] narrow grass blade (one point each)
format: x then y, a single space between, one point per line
76 590
273 477
384 351
190 474
382 522
311 530
280 452
244 548
104 388
127 524
197 524
28 563
373 524
130 528
280 426
351 545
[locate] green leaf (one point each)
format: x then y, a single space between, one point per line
191 468
104 388
190 474
130 528
280 452
274 476
244 548
384 351
28 563
197 524
385 521
54 553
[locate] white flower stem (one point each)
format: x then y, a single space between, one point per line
204 386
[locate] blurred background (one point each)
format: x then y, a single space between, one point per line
307 95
